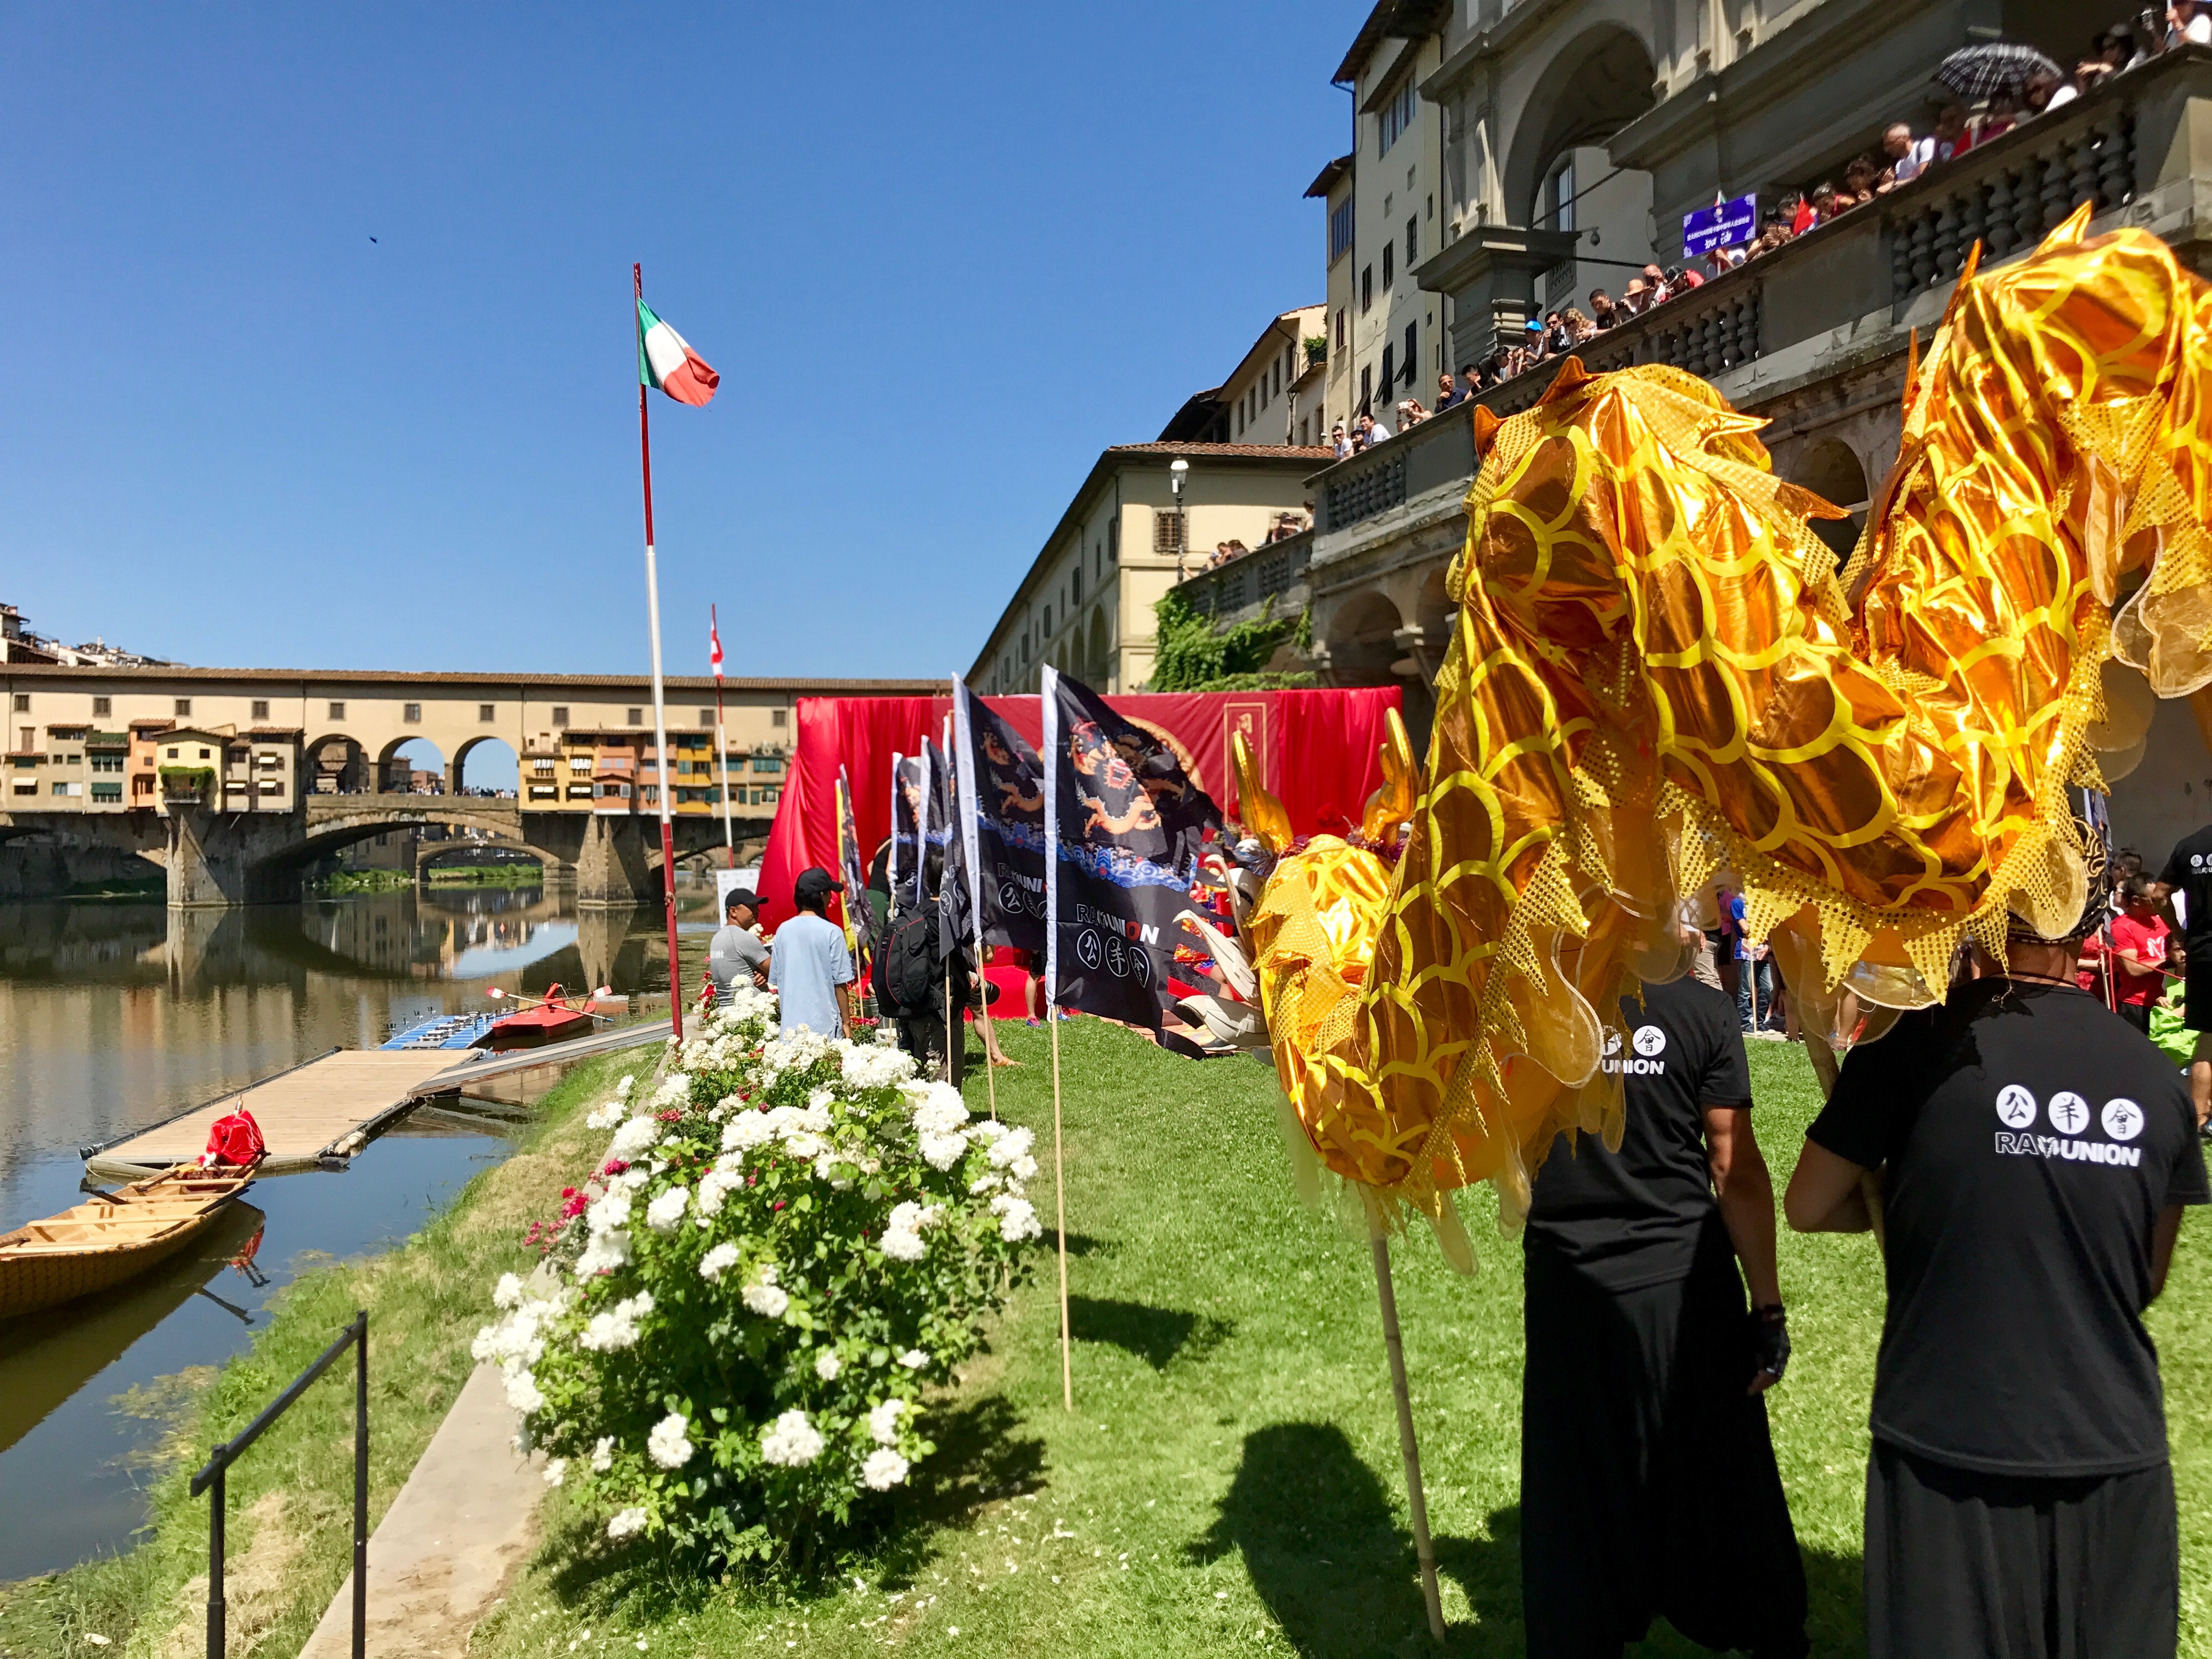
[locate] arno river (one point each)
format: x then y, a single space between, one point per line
114 1016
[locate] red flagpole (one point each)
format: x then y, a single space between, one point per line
660 705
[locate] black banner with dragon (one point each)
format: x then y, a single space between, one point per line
1124 823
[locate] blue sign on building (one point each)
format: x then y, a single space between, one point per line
1724 226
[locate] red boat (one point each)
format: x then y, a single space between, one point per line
551 1021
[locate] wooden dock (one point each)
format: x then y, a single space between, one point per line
309 1114
318 1113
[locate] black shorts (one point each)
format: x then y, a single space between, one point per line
2137 1014
1962 1563
1648 1482
2196 982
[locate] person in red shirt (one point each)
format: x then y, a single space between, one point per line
2138 953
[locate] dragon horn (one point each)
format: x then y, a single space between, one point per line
1393 804
1263 814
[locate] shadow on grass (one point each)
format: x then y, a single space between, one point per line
1156 1335
1325 1551
983 1456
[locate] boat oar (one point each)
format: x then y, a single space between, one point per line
496 994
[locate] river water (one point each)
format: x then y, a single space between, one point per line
114 1017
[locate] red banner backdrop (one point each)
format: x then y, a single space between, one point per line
1317 753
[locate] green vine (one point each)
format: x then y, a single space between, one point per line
1191 655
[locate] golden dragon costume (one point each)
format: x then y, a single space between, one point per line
1657 677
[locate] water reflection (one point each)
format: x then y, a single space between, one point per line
116 1017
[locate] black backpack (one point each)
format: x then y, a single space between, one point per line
908 980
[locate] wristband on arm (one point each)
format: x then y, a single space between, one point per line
1770 1339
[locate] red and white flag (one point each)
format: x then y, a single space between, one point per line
714 641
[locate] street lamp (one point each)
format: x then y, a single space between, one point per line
1178 470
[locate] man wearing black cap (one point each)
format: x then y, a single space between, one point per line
1648 1479
2035 1154
736 955
811 970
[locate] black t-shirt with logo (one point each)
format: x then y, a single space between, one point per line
2189 869
2032 1137
1633 1217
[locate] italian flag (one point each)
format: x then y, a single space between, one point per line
666 362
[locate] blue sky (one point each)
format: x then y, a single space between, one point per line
940 255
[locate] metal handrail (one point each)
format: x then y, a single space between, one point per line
212 1474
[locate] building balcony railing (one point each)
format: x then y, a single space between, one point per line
1273 571
1845 289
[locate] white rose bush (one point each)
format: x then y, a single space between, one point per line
785 1245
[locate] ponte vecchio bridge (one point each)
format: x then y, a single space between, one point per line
231 781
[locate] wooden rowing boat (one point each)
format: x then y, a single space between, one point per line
114 1236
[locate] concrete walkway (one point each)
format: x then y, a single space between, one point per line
467 1518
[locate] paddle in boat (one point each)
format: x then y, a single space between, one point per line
112 1237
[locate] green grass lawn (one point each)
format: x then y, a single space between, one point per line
1229 1477
1229 1480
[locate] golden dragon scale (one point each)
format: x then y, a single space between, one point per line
1656 675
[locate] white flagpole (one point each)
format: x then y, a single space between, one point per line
964 772
660 702
897 761
1049 755
722 750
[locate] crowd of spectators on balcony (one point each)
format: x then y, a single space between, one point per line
1293 521
1902 156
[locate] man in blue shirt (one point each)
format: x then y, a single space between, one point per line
811 970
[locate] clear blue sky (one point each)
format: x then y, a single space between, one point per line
940 255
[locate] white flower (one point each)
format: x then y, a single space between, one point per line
1025 1169
635 1134
603 1455
884 1469
791 1441
605 1253
675 1089
606 1117
1009 1145
871 1066
718 1261
914 1359
556 1472
883 1422
668 1444
624 1087
508 1293
943 1151
1018 1218
763 1296
616 1328
940 1111
746 1130
827 1364
666 1213
716 1185
804 1143
625 1522
902 1244
989 1130
522 1392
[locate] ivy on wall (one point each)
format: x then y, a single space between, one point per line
1191 655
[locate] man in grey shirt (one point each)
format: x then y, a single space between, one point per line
736 955
812 971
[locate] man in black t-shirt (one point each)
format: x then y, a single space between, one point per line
2189 872
1648 1482
2035 1153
